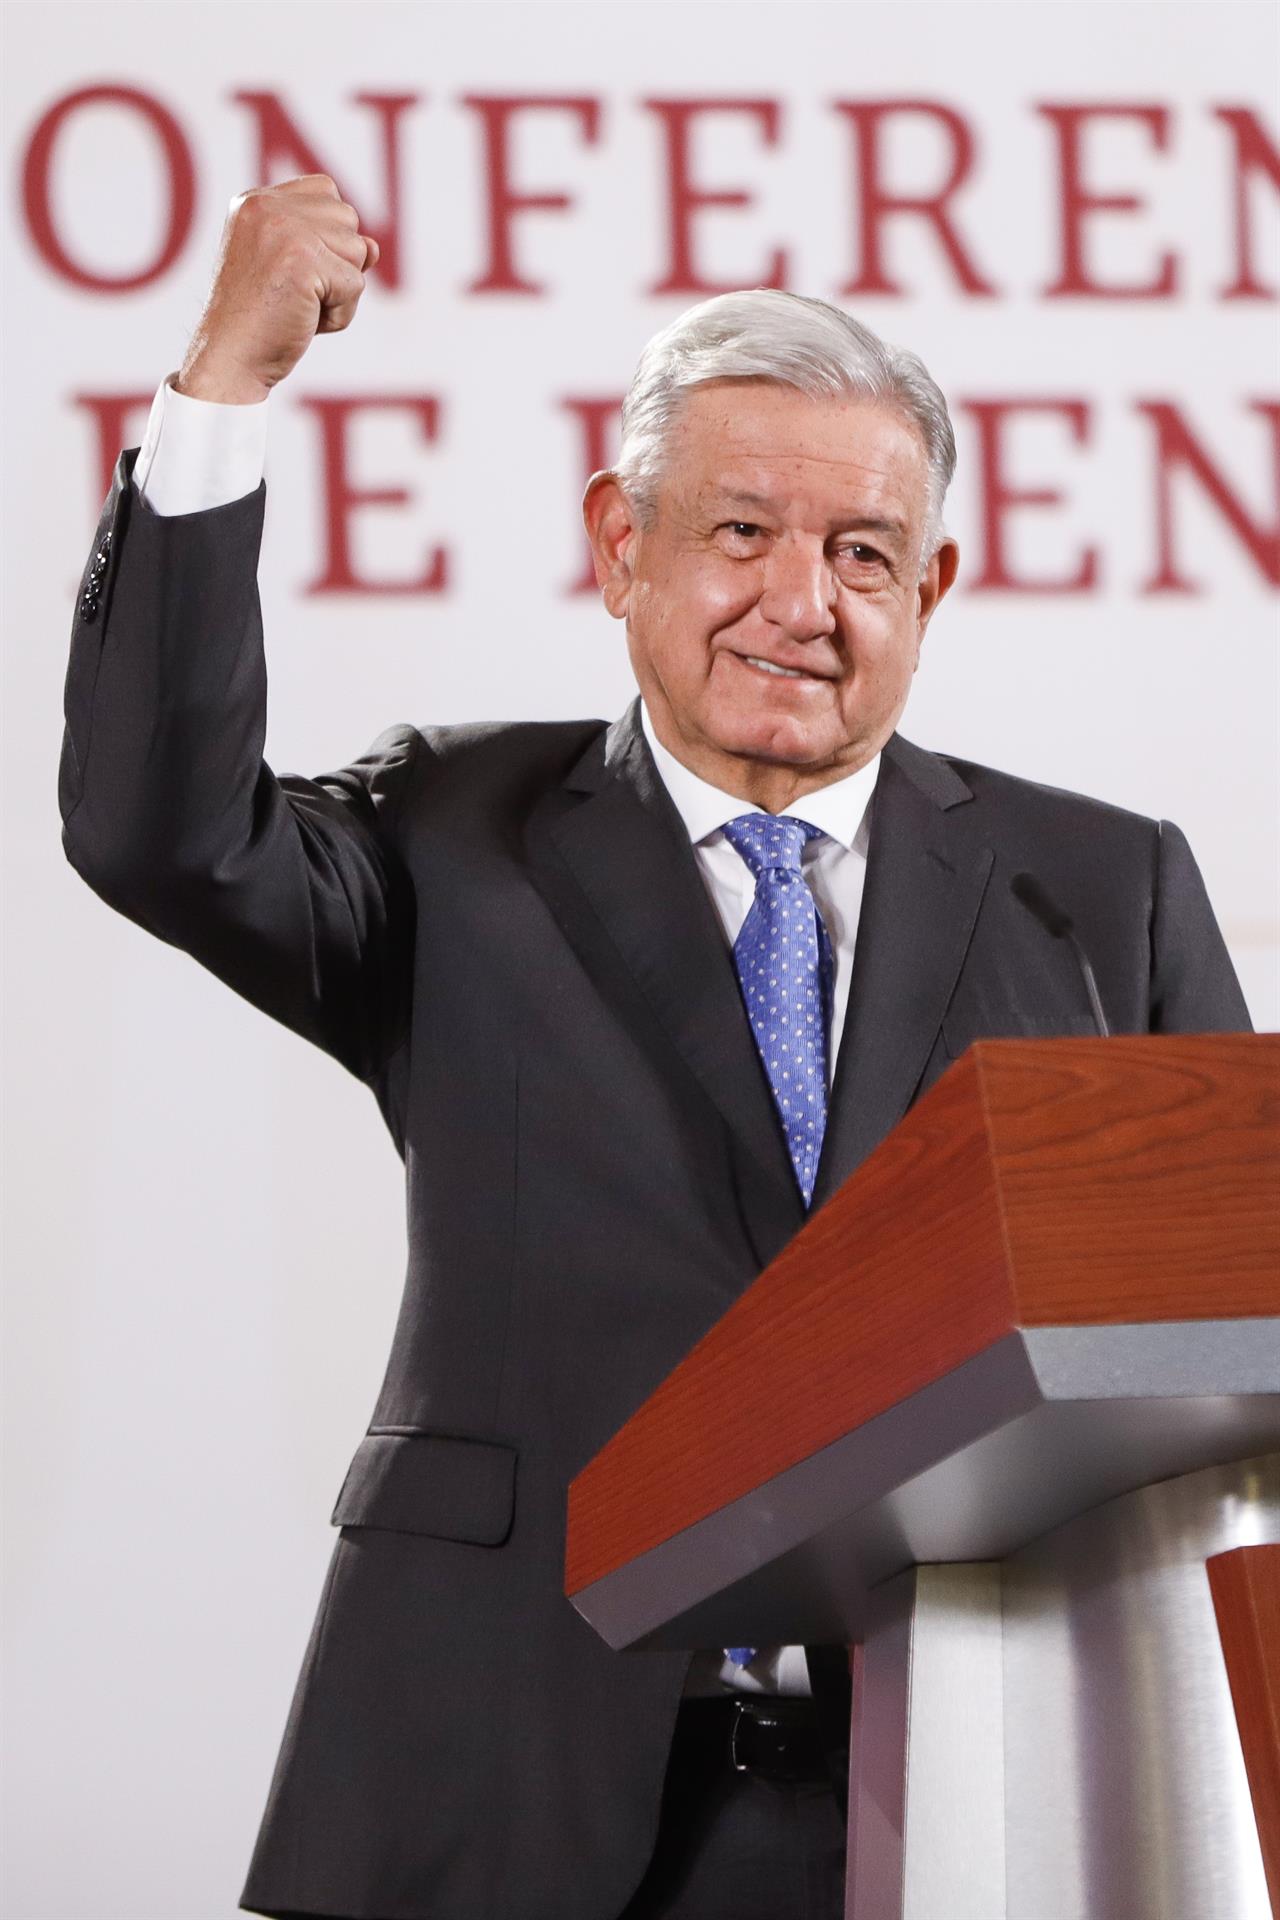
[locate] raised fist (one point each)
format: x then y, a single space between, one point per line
292 264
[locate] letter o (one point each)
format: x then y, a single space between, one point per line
35 187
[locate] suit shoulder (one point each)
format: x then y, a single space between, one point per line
485 744
1012 796
505 765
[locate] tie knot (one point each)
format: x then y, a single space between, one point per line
769 840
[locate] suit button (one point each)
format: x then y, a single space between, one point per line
90 598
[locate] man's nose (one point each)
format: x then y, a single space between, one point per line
799 590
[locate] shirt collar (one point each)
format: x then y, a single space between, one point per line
837 810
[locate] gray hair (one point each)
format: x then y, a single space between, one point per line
764 334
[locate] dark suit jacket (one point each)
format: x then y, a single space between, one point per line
502 930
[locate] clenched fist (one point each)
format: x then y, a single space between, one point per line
292 265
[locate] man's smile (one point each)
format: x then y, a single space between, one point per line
776 669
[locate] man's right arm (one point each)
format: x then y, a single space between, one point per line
291 890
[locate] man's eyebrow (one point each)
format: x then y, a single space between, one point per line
896 529
739 497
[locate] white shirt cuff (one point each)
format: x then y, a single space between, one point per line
198 454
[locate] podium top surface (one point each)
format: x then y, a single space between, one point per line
1066 1184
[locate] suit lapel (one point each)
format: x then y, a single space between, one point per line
618 836
626 848
925 882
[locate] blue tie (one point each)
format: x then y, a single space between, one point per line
784 963
783 958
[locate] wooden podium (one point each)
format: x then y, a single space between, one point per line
983 1421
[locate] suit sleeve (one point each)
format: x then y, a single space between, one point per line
1193 983
293 891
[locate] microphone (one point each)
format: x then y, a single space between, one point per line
1027 889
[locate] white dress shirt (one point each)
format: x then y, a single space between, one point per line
199 454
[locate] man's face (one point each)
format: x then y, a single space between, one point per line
774 606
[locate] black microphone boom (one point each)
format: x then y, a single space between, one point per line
1027 889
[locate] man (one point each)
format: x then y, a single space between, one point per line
602 982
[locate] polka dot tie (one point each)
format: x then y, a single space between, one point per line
783 957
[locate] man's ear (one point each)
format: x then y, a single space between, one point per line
613 530
937 579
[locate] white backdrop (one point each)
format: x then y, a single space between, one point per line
203 1240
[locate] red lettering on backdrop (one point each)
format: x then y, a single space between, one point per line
496 114
999 497
878 203
112 415
685 199
1077 203
1177 450
36 198
342 499
598 423
1254 153
284 151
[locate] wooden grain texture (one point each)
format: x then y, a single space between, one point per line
1040 1182
1139 1177
1245 1585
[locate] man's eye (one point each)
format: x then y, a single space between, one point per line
741 539
865 556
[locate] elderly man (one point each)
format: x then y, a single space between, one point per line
632 998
